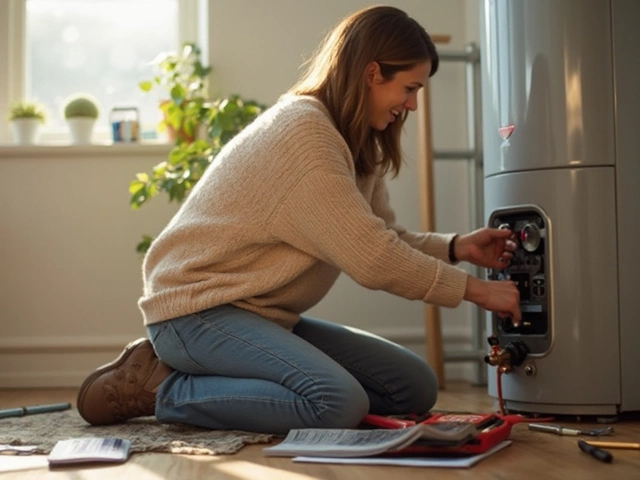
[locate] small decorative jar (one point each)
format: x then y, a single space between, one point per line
125 124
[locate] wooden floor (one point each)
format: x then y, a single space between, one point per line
532 455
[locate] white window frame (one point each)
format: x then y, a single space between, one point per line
192 26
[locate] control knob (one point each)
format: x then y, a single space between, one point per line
530 237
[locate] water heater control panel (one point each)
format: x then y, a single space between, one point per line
529 270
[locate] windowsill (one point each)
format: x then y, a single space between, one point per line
93 150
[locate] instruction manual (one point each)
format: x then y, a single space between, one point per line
316 442
88 450
411 461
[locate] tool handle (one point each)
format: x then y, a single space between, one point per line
12 412
622 445
52 407
595 452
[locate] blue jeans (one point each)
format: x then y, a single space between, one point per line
235 370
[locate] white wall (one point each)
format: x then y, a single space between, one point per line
69 274
69 277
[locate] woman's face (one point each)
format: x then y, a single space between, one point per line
389 98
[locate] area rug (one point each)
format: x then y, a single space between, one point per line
146 434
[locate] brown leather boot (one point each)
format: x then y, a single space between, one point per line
125 388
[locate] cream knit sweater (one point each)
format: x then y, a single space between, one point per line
275 219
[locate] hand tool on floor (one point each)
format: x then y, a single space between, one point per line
558 430
22 411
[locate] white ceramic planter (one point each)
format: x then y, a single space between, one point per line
25 131
81 129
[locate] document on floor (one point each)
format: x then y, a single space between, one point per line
439 462
319 442
89 450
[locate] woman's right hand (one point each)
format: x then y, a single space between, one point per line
499 296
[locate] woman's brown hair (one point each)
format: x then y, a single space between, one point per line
336 75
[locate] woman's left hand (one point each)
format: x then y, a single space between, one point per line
486 247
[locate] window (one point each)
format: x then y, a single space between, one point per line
100 47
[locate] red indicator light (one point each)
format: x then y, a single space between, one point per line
506 131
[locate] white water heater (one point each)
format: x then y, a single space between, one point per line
561 135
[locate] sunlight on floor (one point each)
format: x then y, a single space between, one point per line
251 471
22 463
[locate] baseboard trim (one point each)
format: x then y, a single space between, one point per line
62 379
69 344
62 344
65 357
417 335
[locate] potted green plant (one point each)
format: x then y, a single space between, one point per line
183 79
81 112
188 110
25 118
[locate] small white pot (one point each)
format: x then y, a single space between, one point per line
81 129
25 130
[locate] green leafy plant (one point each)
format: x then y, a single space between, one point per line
27 109
186 110
81 105
183 79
